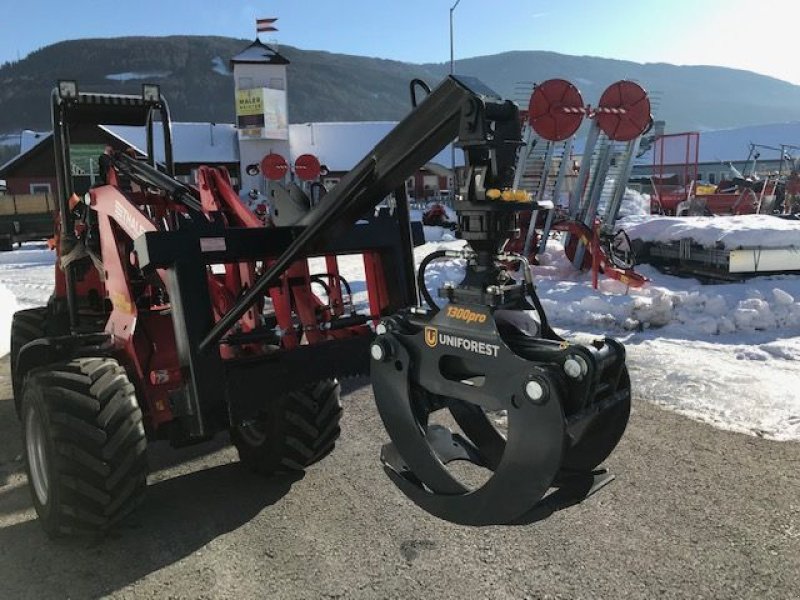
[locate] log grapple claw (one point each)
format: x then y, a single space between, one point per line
565 407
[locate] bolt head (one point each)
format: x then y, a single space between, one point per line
377 352
534 390
572 368
381 329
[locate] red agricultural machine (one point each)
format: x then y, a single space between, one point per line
678 192
555 112
178 314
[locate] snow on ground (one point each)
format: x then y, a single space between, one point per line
634 203
26 280
27 274
726 354
730 232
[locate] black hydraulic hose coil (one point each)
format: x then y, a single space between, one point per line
421 277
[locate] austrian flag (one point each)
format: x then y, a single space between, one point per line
263 25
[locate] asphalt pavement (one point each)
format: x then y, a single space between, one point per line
695 512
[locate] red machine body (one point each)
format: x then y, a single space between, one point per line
139 320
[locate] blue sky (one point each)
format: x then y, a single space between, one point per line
744 34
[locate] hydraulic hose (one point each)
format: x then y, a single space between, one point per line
319 278
421 277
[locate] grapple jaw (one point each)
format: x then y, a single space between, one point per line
566 407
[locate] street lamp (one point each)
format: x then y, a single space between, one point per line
452 70
452 64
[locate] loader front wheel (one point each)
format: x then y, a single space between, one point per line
85 445
293 432
26 326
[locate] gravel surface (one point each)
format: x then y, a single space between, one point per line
694 513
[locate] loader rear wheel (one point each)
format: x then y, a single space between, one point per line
293 432
85 445
26 326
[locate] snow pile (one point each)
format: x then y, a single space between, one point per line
434 233
680 306
761 304
634 203
28 275
128 76
730 232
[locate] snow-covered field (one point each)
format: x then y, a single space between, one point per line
726 354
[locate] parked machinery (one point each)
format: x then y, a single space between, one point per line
597 186
178 314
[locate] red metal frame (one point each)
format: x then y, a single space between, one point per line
595 257
139 321
687 146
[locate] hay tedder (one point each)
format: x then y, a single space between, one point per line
178 314
598 183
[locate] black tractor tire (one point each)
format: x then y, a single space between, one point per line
293 432
85 445
26 326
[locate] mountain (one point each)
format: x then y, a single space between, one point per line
686 97
194 77
325 86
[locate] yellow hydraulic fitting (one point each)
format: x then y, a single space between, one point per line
493 194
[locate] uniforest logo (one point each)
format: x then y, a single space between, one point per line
433 338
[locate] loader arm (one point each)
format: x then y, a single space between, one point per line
412 143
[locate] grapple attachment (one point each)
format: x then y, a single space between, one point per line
466 389
566 407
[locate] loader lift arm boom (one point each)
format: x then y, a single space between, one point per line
436 122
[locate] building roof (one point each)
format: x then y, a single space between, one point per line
28 139
192 143
339 146
733 145
259 53
28 144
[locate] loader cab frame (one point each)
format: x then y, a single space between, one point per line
70 107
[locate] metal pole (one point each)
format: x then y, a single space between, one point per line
452 71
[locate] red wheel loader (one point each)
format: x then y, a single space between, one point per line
178 314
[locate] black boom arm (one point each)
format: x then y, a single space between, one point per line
456 108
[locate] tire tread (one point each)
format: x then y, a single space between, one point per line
302 428
99 459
